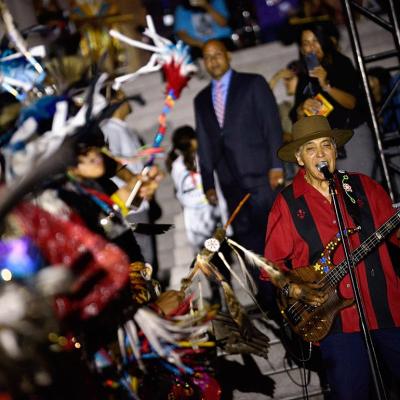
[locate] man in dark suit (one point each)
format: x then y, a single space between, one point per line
239 132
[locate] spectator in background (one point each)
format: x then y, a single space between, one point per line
317 8
197 21
382 83
123 141
239 132
61 38
273 17
201 218
332 81
290 77
162 12
243 22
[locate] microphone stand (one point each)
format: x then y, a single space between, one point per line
376 373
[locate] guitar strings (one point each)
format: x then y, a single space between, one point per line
336 275
338 272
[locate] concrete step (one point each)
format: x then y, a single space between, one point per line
288 380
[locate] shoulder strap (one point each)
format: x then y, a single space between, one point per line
358 207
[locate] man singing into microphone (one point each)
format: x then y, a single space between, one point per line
302 222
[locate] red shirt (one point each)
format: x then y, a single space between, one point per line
283 242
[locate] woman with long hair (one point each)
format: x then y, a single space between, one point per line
331 86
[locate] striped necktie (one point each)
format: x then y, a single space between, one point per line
219 105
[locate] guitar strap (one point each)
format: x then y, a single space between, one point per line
358 207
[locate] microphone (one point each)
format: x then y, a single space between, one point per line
324 168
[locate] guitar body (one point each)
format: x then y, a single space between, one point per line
312 323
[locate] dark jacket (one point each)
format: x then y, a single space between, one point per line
244 149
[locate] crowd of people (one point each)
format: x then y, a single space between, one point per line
240 24
80 199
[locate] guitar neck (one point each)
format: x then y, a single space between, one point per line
338 273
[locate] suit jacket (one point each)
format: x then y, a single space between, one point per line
244 149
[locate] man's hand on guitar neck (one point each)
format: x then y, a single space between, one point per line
310 293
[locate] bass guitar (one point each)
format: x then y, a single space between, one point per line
313 323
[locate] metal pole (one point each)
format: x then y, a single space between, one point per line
380 56
355 41
373 17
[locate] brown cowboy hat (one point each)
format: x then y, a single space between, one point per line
310 128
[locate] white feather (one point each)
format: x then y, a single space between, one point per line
155 331
246 274
121 343
133 337
132 42
256 259
161 332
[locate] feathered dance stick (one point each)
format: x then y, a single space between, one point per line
245 336
278 278
273 271
163 53
211 249
17 74
204 263
16 37
177 66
